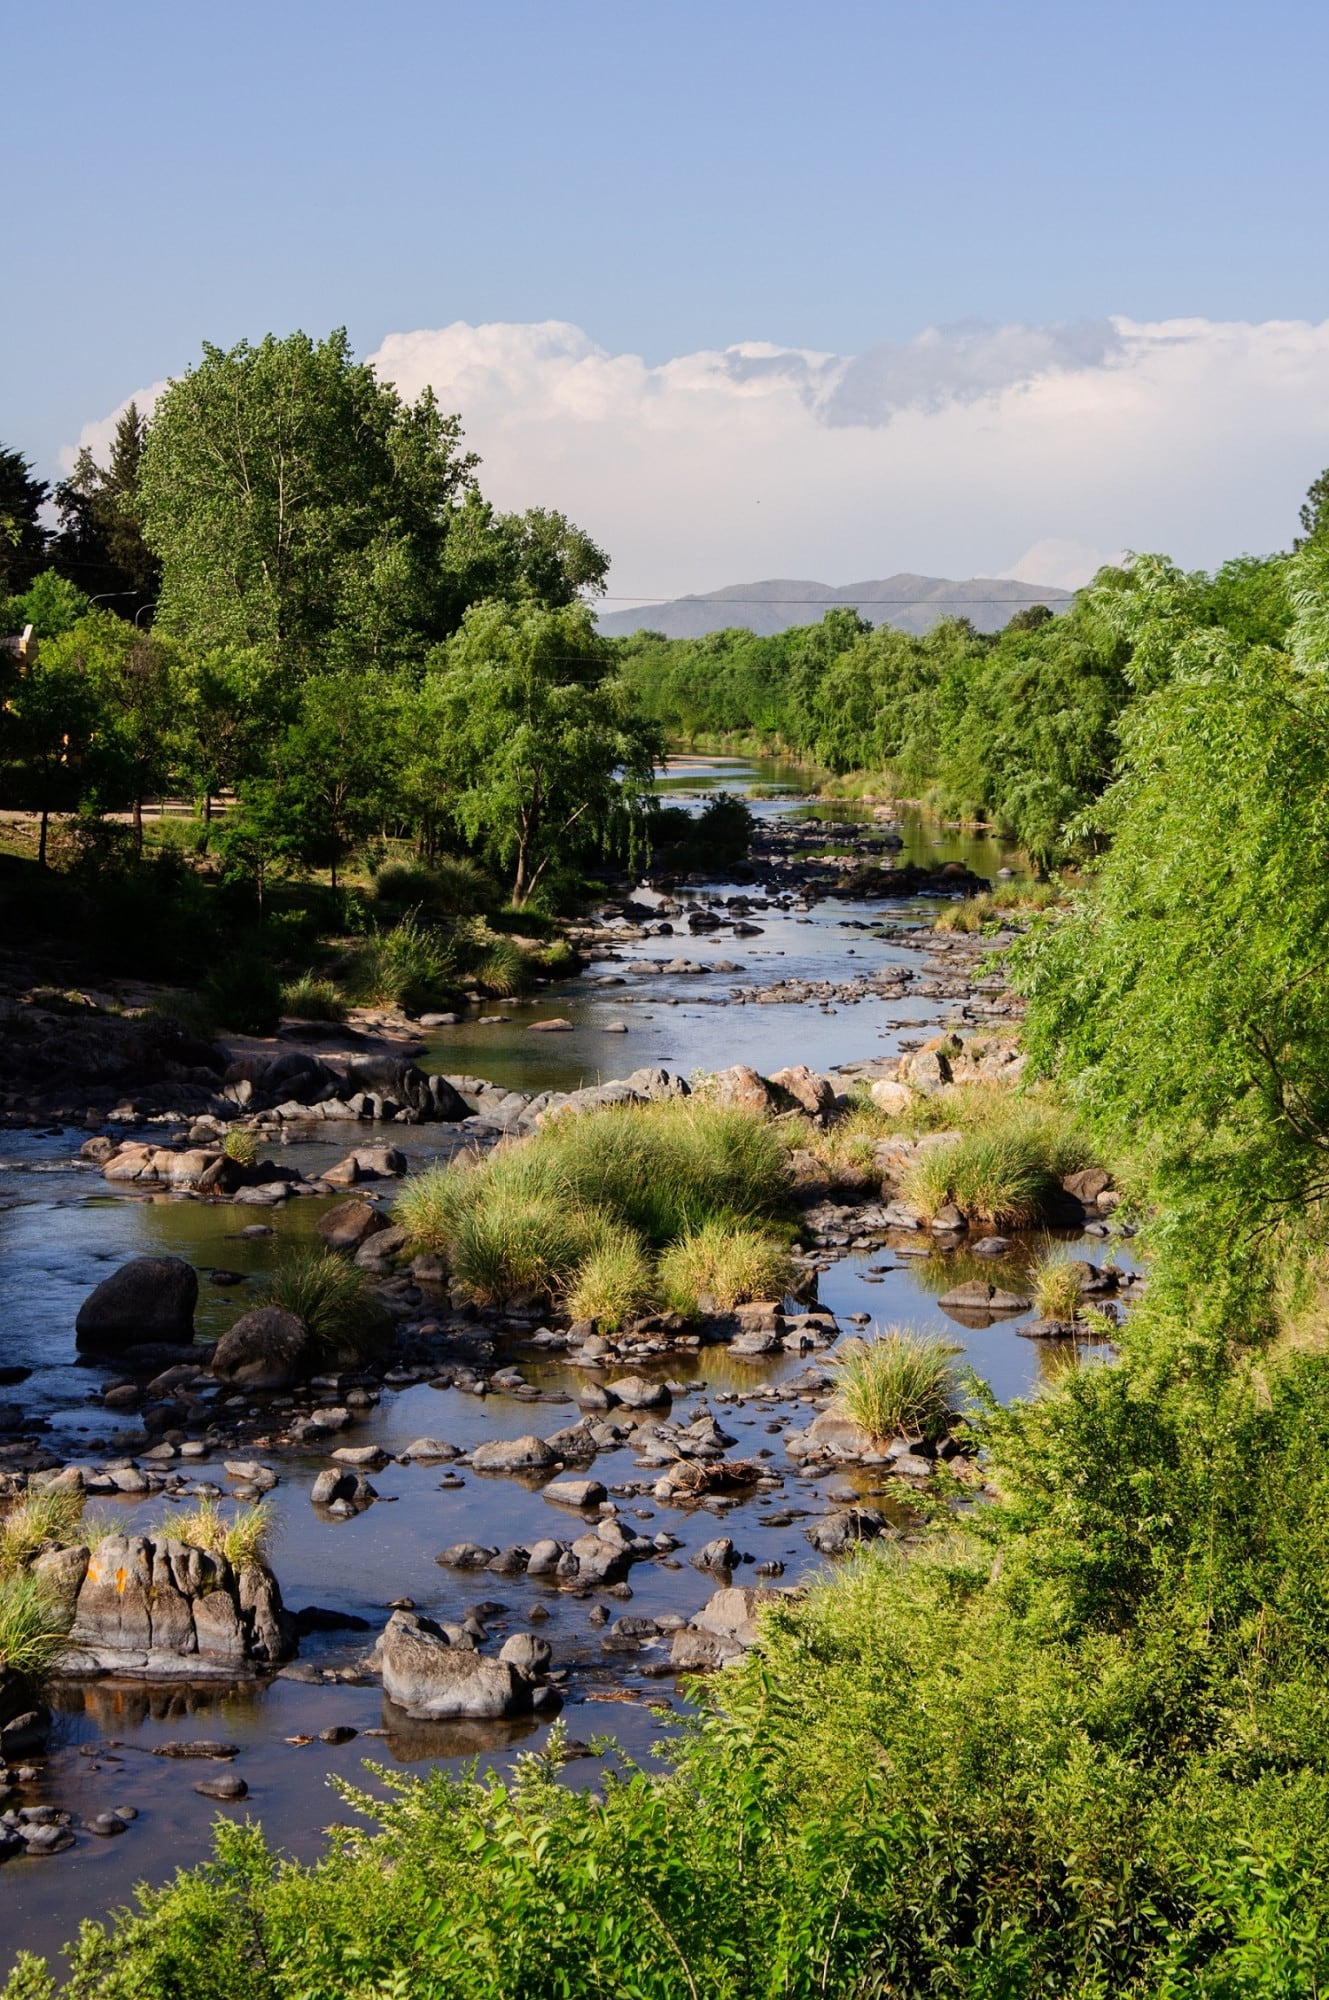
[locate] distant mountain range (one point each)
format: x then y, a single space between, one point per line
911 603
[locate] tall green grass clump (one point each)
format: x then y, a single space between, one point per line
1011 899
45 1519
613 1282
240 1144
1006 1169
310 998
1057 1286
898 1384
32 1628
726 1263
527 1215
344 1320
411 965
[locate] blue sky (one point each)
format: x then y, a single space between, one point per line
670 178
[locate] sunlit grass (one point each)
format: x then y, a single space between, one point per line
244 1537
727 1263
312 999
47 1518
32 1626
898 1384
1057 1286
614 1282
241 1145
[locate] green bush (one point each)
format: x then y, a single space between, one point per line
613 1282
411 966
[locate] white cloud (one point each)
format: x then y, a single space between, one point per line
97 435
950 454
1035 452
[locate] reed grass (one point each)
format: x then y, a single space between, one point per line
727 1263
32 1627
243 1538
344 1320
1057 1286
45 1519
312 999
614 1282
898 1384
241 1145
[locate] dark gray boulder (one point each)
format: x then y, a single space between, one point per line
148 1299
265 1349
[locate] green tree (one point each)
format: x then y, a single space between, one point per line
22 536
134 678
100 543
51 713
327 784
540 749
50 604
1315 510
539 554
298 505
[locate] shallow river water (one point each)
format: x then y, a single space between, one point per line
61 1231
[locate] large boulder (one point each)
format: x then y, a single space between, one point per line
523 1454
161 1609
429 1676
741 1089
812 1093
265 1349
346 1226
148 1299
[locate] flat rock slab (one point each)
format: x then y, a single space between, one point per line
576 1492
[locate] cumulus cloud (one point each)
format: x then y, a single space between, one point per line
1036 452
972 450
97 435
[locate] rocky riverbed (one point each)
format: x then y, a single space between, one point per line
509 1518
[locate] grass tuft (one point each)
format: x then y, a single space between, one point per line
1013 899
1057 1286
614 1282
898 1384
244 1537
311 999
663 1170
345 1322
32 1628
241 1145
727 1263
45 1519
411 965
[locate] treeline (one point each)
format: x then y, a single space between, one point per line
1020 728
286 590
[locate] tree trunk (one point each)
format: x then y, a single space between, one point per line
41 838
138 827
207 808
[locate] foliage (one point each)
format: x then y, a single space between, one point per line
344 1320
727 1264
412 966
536 739
244 994
99 544
1186 996
897 1384
22 537
298 505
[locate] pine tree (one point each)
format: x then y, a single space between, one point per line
22 536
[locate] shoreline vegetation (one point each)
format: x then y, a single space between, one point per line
1072 1741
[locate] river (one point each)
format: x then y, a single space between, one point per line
61 1231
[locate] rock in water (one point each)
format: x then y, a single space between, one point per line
424 1673
148 1299
346 1226
263 1350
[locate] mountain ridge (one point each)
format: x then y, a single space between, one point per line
908 601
